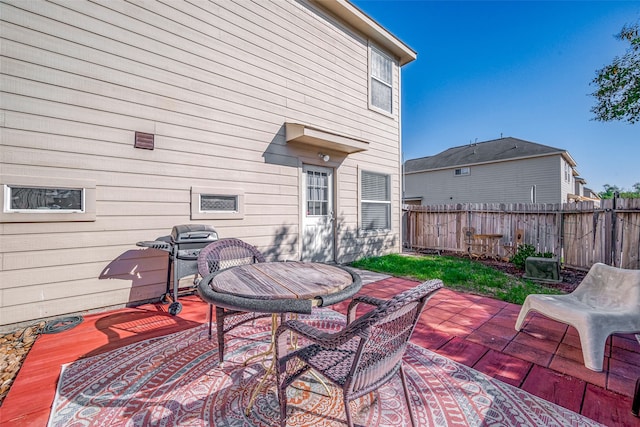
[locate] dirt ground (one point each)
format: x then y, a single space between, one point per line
571 278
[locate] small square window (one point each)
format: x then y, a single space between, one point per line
216 203
461 171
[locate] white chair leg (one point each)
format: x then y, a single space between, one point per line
593 344
523 314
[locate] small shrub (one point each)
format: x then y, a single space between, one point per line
524 252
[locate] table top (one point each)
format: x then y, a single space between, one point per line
277 287
487 236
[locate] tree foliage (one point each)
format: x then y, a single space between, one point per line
618 84
610 192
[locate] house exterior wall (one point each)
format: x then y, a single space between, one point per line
215 83
500 182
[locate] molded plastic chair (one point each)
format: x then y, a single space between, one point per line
220 255
607 301
362 357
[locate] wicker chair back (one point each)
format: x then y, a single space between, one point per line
220 255
363 356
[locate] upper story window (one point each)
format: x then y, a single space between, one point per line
534 194
380 81
461 171
375 201
567 172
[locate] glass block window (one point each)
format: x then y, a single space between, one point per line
381 80
218 203
43 199
317 193
375 201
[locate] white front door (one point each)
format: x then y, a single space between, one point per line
318 221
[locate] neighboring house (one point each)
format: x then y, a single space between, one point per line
584 194
505 170
276 122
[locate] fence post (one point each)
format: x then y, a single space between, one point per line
614 228
610 232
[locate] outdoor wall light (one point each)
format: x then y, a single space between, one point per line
324 157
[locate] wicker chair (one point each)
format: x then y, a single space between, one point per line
363 356
220 255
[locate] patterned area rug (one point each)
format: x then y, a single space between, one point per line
176 380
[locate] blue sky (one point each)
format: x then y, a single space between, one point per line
512 68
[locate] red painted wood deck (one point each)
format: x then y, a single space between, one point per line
545 359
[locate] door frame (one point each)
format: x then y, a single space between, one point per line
303 201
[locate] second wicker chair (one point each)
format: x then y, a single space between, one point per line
220 255
363 356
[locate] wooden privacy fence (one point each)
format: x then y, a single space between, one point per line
580 234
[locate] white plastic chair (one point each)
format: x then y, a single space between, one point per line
607 301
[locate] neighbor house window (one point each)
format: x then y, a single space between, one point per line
567 172
534 195
380 80
375 201
47 199
461 171
216 203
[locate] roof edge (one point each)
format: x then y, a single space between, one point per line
363 23
464 165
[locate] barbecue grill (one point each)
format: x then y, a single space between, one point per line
183 245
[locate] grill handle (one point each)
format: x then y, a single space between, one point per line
195 235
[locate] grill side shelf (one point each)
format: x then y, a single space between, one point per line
155 244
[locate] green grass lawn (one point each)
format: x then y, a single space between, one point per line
457 273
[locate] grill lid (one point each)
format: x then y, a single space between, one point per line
193 233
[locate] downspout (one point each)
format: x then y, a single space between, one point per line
401 156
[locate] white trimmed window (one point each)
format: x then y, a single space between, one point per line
27 199
534 195
380 81
43 199
461 171
375 203
216 203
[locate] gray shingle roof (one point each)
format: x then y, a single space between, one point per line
481 152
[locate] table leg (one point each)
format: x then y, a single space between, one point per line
270 353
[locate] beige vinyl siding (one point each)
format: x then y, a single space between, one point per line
214 82
500 182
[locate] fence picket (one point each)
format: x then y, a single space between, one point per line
580 233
